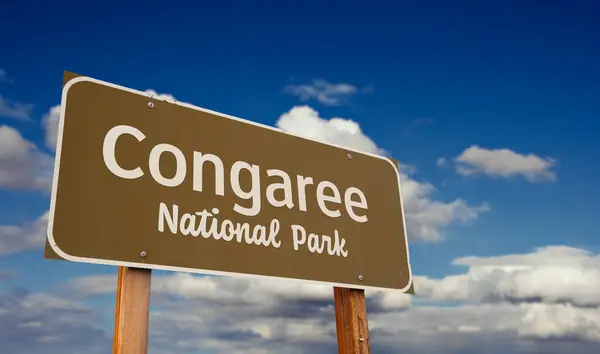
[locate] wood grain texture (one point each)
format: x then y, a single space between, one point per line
132 311
351 321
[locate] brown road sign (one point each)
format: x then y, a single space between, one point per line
143 182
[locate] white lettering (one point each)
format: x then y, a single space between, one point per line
298 231
327 240
204 214
313 244
285 186
199 161
163 212
108 151
339 245
302 183
214 226
362 203
273 231
188 221
189 225
254 192
322 198
227 230
278 193
319 243
154 165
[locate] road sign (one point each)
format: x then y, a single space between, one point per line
148 183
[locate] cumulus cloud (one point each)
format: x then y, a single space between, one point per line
50 126
552 275
231 291
185 328
306 122
43 323
323 92
7 274
499 328
532 296
15 110
560 321
22 165
238 315
505 163
161 96
15 239
425 216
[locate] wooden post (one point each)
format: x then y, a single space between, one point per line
351 321
132 312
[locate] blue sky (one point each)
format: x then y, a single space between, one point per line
427 81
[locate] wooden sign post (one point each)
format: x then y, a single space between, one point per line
351 321
132 312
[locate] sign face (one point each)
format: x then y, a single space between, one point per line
147 183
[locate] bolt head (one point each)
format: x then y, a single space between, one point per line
349 156
143 254
360 277
150 104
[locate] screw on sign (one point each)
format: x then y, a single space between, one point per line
182 188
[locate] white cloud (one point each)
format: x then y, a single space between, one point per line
462 329
43 323
505 163
231 315
238 315
15 110
22 165
162 96
15 239
561 321
242 291
94 285
323 91
430 321
552 274
233 291
50 125
551 292
425 217
306 122
7 274
441 162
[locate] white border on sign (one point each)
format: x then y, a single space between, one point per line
71 258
